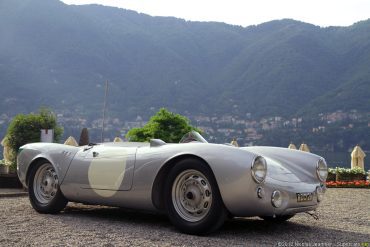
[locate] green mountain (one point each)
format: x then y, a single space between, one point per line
60 55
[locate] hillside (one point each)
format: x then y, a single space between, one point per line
59 55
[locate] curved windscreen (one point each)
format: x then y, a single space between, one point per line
192 136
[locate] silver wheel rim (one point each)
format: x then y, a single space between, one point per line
191 195
45 183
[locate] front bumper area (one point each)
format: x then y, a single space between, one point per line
260 201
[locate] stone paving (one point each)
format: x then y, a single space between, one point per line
344 220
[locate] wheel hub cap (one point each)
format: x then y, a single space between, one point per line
191 195
45 183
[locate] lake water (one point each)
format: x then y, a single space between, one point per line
342 159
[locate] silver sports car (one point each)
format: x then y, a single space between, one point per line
197 184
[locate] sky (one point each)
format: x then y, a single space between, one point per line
249 12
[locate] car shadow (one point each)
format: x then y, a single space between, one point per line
114 214
302 231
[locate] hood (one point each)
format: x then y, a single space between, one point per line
288 165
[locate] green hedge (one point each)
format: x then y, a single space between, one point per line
346 174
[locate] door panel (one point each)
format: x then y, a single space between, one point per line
103 169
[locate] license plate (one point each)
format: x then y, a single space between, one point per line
304 197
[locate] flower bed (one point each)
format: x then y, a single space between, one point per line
346 178
346 175
350 184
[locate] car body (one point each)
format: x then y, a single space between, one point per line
193 181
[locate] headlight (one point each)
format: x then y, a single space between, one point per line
276 199
259 169
322 170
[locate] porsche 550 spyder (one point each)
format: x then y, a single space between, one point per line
196 183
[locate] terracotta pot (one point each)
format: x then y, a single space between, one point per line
4 169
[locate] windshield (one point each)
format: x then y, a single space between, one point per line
193 136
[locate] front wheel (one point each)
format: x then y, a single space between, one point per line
44 191
193 201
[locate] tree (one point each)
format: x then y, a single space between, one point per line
165 125
84 137
25 129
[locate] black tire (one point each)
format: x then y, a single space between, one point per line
277 219
200 180
45 198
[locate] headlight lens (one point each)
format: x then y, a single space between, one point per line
276 199
322 170
259 169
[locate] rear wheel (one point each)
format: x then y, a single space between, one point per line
193 201
44 191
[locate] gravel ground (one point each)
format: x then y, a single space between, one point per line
344 221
